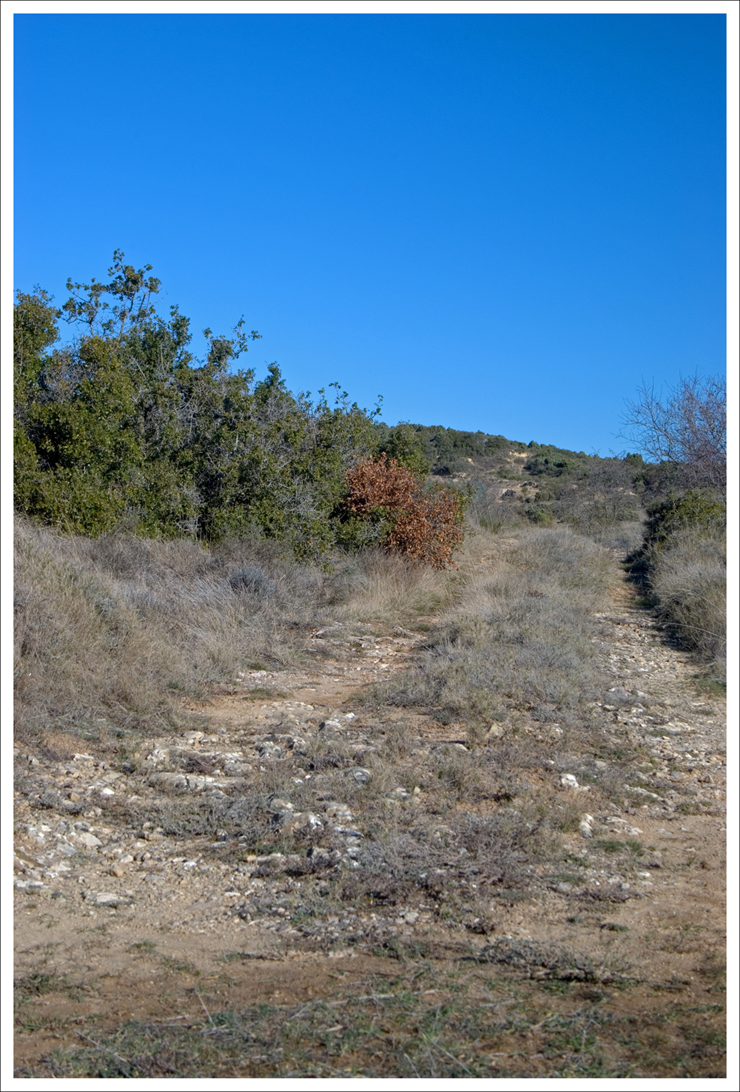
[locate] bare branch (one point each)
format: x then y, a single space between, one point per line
689 428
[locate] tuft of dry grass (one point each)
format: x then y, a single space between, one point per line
378 587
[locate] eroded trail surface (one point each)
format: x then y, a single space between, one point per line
609 960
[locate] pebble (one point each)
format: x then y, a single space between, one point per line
109 898
89 840
292 823
359 774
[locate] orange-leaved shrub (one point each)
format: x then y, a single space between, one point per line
423 523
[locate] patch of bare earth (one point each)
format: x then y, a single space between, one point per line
204 904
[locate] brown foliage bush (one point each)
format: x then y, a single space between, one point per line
424 523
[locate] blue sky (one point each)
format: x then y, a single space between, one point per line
498 222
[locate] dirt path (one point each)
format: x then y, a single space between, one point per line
118 920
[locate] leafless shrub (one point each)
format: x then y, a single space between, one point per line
688 428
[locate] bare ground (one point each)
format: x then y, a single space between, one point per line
151 950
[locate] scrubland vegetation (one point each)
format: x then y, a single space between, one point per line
179 519
180 525
118 627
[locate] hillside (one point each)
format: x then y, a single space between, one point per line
377 821
347 749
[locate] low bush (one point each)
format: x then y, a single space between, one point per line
703 511
422 523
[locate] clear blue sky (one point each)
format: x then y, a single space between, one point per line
498 222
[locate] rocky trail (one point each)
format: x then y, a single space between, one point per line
119 919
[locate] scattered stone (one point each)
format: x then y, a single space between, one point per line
49 800
339 811
331 724
278 805
109 898
322 858
399 794
642 792
89 840
619 694
266 749
173 782
359 774
622 825
293 823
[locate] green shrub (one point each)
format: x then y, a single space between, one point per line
124 427
702 510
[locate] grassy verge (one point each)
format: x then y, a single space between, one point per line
682 568
688 580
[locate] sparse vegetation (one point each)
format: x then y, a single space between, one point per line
516 639
427 1018
109 631
189 536
682 565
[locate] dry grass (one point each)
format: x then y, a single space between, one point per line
109 630
377 587
688 578
449 832
518 636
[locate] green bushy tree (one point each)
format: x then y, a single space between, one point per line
123 423
404 444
